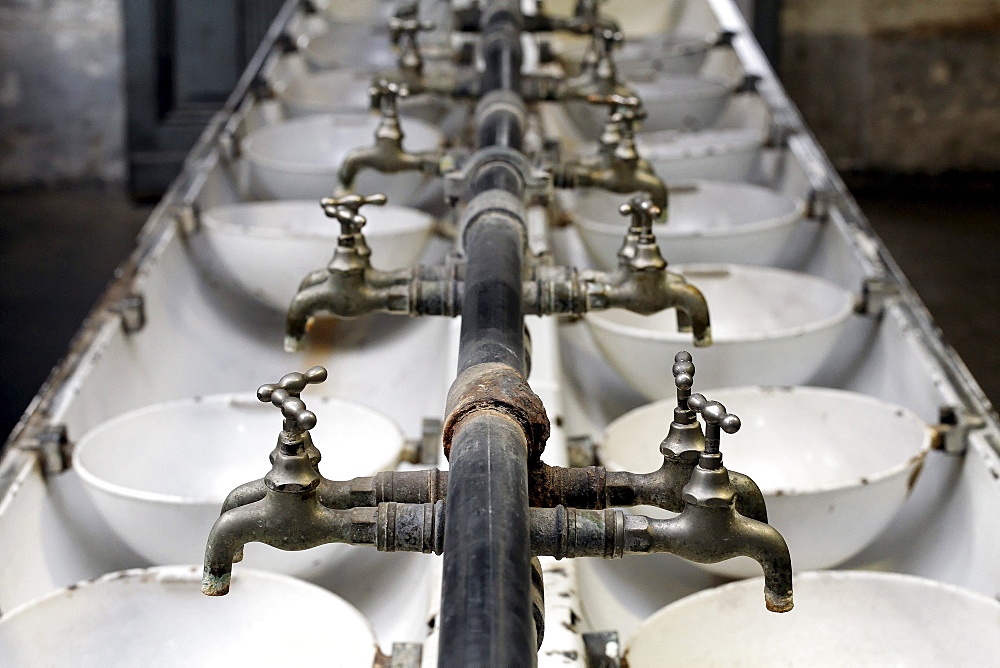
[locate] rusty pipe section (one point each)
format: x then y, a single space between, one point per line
593 487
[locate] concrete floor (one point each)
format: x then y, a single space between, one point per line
58 250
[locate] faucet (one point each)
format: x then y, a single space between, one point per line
586 19
289 514
387 154
619 167
598 75
709 529
642 283
404 29
350 287
594 487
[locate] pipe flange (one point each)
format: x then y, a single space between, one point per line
497 387
537 183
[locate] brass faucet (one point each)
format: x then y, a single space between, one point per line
709 528
387 154
641 283
598 75
289 514
294 507
619 168
350 287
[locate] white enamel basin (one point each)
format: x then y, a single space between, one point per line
707 221
834 466
720 154
354 44
266 248
848 618
368 11
346 90
672 102
159 475
299 159
769 326
671 53
159 617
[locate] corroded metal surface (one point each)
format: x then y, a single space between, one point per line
496 387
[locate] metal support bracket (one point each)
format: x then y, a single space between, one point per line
186 218
818 202
537 182
725 38
748 84
52 447
406 655
582 452
132 311
602 649
952 432
876 293
425 449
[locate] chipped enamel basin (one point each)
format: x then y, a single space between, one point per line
300 158
769 326
844 618
708 221
159 617
159 475
834 466
249 245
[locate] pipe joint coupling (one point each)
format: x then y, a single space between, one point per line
497 387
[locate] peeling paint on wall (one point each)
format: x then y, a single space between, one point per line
61 92
897 85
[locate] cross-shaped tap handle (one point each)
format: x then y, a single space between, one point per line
716 419
643 213
285 395
715 413
622 109
408 26
608 39
384 95
345 210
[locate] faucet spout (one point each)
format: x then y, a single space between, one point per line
691 303
709 535
387 154
285 521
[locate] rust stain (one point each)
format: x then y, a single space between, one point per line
500 388
919 460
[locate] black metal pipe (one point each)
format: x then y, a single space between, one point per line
500 127
492 310
486 617
486 613
502 57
